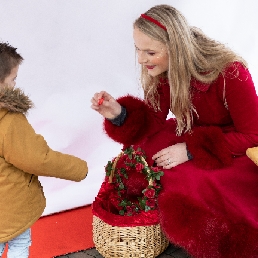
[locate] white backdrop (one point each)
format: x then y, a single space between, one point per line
73 48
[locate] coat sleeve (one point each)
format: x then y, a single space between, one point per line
214 147
242 102
28 151
208 147
141 120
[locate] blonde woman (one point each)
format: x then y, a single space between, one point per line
208 204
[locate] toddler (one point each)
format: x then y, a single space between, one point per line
24 155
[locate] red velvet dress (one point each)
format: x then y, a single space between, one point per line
208 205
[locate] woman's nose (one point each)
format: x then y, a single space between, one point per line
142 58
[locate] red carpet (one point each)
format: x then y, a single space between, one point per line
62 233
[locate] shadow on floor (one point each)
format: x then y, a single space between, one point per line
171 251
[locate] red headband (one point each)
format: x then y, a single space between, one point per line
146 17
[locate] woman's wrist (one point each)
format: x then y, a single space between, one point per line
119 120
188 153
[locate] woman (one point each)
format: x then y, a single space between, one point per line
208 204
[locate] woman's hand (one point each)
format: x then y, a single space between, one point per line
106 105
171 156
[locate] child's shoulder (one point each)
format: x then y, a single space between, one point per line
14 100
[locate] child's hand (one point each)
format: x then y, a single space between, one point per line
106 105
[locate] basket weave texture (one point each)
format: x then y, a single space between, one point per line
116 236
138 241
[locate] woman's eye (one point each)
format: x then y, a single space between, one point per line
151 53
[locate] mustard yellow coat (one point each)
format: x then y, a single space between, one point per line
25 155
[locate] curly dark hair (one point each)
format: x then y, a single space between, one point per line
9 59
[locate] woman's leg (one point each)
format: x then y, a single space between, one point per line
19 246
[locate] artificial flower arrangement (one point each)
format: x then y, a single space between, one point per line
133 161
127 199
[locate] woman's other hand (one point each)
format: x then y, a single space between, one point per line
171 156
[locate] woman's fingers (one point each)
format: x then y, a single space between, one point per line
171 156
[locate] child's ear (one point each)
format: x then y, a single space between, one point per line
252 153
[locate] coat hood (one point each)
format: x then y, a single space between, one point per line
14 100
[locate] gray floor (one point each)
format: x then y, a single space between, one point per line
171 251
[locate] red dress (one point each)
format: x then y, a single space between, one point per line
208 205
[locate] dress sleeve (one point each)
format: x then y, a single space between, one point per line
141 119
119 120
242 102
214 146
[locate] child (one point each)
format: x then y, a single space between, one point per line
24 155
208 203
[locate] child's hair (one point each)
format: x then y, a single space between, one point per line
9 59
191 54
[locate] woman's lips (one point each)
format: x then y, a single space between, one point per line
150 66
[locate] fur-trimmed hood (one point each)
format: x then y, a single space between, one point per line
14 100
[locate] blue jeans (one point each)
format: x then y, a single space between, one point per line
18 247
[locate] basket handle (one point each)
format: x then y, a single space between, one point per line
114 167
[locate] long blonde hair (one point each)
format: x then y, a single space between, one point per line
191 54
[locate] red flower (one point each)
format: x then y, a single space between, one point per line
151 203
116 196
129 208
139 153
128 160
155 169
155 185
122 192
139 167
149 193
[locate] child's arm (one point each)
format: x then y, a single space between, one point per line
28 151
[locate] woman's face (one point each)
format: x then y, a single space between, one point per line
152 54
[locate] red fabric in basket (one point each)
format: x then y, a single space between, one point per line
105 205
141 219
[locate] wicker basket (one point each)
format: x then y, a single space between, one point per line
141 241
114 241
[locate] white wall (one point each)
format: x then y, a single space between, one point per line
73 48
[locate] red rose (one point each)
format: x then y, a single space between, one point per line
149 193
139 167
155 185
129 208
151 203
122 192
128 160
139 153
155 169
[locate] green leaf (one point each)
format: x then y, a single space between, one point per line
123 203
142 203
129 152
109 168
147 208
122 212
121 186
118 179
158 177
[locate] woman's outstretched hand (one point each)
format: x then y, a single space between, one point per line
171 156
106 105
